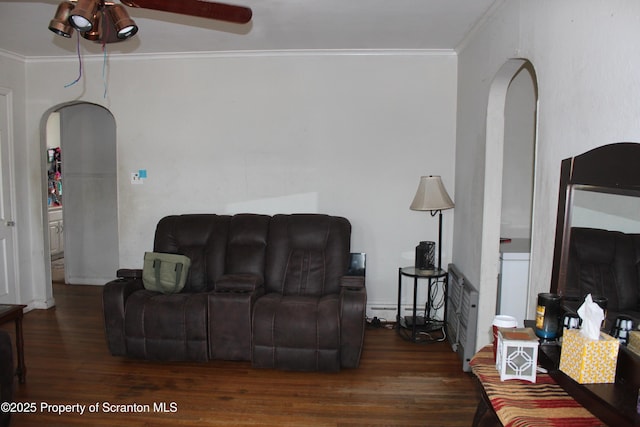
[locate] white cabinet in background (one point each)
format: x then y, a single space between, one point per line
56 233
513 286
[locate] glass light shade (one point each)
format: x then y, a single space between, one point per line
82 15
431 195
60 22
124 25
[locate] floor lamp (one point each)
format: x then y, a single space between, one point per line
433 197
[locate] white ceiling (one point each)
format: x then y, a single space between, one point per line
276 25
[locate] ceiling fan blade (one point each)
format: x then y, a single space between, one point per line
200 8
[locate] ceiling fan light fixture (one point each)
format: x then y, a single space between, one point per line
60 22
108 22
83 13
124 25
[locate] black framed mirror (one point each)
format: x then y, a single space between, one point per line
597 242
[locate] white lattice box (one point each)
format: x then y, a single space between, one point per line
517 354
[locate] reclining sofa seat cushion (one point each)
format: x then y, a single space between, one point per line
166 327
605 263
296 324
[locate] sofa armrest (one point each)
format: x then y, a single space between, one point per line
114 297
352 282
244 282
353 304
129 273
230 315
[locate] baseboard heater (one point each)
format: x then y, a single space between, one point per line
462 315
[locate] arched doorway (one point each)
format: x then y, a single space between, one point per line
499 132
88 200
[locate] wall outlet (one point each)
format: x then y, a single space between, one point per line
135 178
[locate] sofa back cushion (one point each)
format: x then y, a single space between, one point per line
307 254
201 237
246 244
604 263
216 244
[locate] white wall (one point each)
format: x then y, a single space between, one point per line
53 130
340 133
484 53
586 61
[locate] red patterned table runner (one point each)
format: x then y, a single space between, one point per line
520 403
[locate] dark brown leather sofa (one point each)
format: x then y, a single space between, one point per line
270 289
604 263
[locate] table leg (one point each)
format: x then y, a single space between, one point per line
21 371
398 313
415 312
485 416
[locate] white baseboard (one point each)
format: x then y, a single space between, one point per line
387 312
89 281
40 304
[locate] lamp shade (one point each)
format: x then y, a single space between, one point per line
124 25
82 15
60 22
431 195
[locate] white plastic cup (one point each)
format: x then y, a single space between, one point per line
501 321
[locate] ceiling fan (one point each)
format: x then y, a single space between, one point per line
108 22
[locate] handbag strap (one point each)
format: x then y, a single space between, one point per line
178 272
156 269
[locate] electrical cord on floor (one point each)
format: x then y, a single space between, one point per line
432 338
436 335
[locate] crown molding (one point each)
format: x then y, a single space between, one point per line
232 54
11 55
489 13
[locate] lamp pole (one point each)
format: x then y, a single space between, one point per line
439 213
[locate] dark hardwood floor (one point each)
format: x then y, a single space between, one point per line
397 384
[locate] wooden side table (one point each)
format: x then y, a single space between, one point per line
9 312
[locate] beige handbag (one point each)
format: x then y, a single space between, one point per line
166 273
